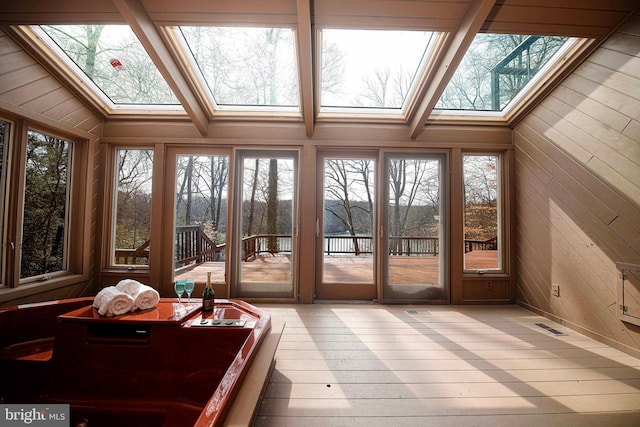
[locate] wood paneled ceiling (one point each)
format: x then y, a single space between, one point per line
461 20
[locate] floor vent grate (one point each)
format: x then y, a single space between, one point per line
550 329
418 312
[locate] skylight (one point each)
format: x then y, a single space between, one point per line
246 68
111 58
367 74
496 69
371 69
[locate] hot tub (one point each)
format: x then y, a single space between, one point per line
158 367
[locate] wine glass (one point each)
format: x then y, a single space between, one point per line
179 288
189 284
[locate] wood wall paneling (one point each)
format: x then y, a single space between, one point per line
485 290
578 191
589 18
576 248
39 11
27 85
424 15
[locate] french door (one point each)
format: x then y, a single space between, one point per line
266 224
380 232
346 244
415 262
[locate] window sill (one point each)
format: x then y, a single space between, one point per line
38 287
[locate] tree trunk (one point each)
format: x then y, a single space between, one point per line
252 201
272 207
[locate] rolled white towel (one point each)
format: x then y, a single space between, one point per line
111 301
146 298
129 286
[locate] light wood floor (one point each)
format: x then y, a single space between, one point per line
396 366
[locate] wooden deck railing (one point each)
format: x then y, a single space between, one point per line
480 245
357 245
138 256
414 246
258 244
194 246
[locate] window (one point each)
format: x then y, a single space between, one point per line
349 220
45 224
132 207
496 68
246 68
250 71
371 69
482 212
202 187
266 243
42 183
110 58
416 247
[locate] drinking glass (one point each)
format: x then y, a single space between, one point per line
179 288
189 284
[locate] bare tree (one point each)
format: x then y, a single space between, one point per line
514 59
332 68
218 181
272 206
405 177
201 187
135 80
133 203
385 89
348 190
249 226
186 187
246 66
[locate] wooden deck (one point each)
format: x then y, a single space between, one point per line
396 366
337 269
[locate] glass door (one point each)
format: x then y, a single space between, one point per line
200 235
266 237
415 256
346 227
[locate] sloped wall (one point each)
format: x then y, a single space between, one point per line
578 192
27 87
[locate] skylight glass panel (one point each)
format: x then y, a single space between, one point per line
246 67
496 68
113 59
373 69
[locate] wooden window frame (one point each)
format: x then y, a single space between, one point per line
78 222
168 220
501 212
111 205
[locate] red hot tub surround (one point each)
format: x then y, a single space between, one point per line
155 367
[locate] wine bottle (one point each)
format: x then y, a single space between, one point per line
208 295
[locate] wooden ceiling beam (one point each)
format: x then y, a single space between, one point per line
136 16
305 61
447 62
